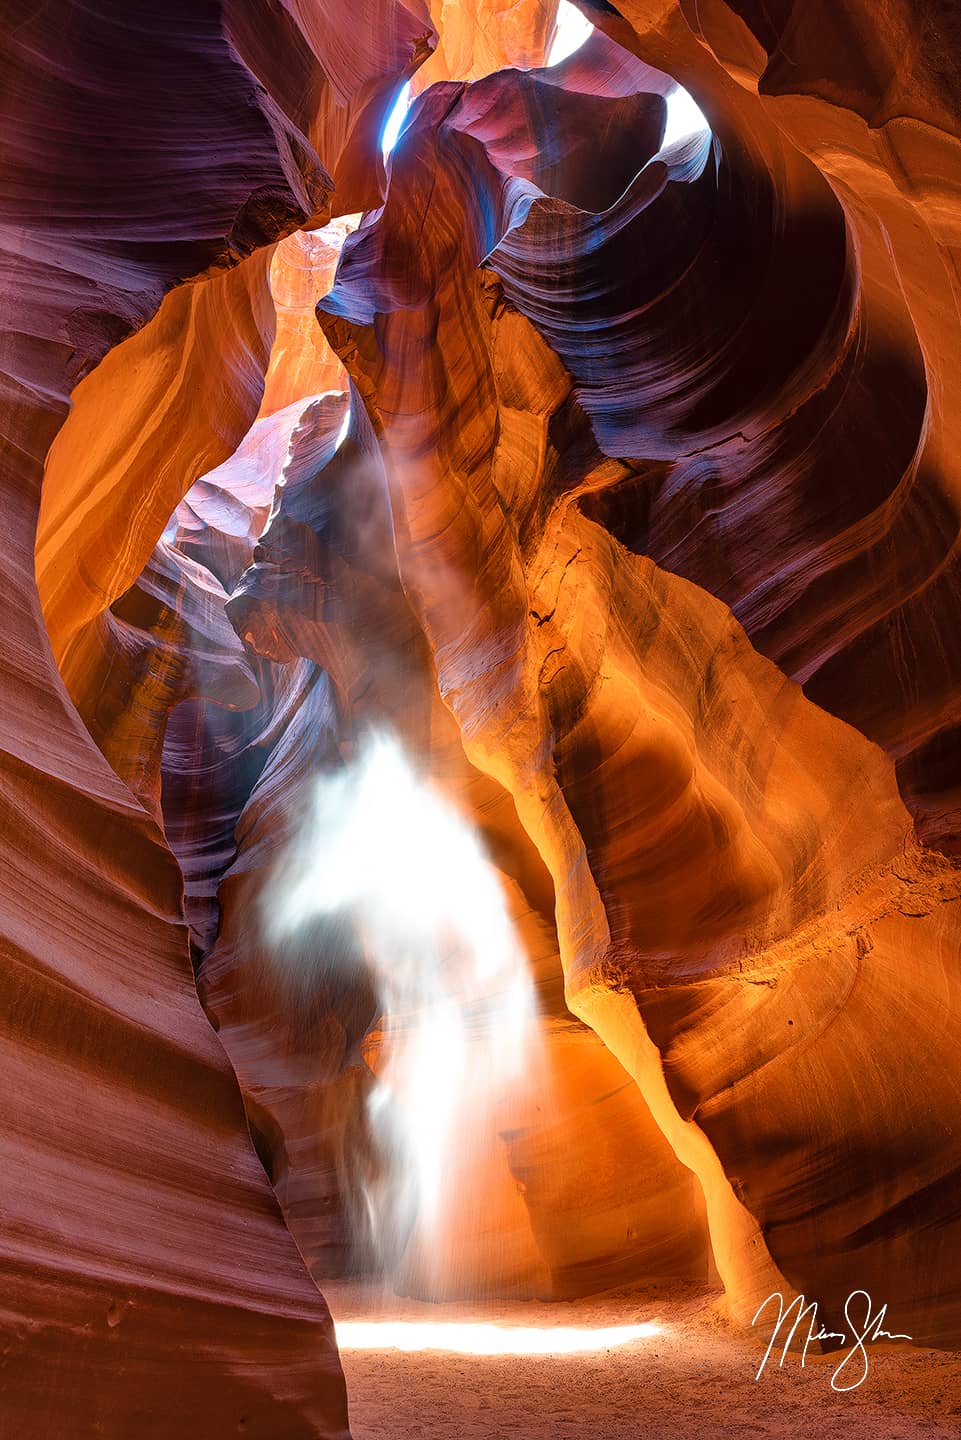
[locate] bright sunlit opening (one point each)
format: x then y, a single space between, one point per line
486 1339
571 29
684 117
396 118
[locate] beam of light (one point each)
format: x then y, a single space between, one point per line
384 848
486 1339
396 118
684 117
571 30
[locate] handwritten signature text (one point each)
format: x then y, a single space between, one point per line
864 1326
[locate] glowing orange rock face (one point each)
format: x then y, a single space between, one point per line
619 482
301 361
571 1134
474 40
148 1278
729 860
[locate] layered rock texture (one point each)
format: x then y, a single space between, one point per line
646 414
150 1286
617 480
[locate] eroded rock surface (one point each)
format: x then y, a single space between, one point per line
619 480
150 1286
732 862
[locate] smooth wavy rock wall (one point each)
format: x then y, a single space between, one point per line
150 1286
661 451
611 388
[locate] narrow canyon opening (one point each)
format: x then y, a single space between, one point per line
449 582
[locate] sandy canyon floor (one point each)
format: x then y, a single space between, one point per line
694 1378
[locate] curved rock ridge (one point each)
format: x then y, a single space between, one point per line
165 640
212 752
222 515
184 412
735 870
145 1262
115 472
206 749
828 520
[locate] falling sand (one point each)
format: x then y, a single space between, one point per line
691 1375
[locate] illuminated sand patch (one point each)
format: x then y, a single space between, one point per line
466 1338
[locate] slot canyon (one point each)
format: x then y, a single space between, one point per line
481 741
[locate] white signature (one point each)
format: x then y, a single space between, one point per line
860 1333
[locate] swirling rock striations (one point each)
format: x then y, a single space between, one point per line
623 487
149 1282
741 903
826 519
116 471
301 1028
